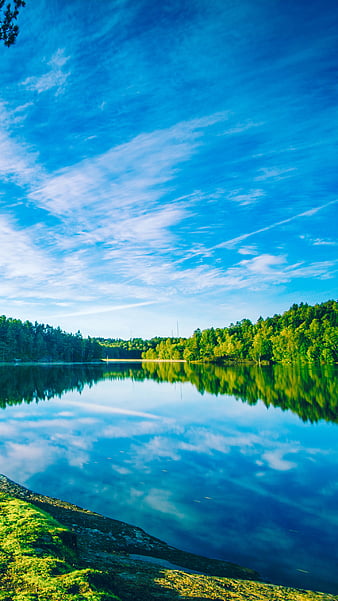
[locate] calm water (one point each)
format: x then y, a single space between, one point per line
234 463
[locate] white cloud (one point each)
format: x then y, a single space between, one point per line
120 469
97 309
7 430
26 459
262 264
18 162
158 446
110 204
16 244
31 271
132 428
243 197
275 459
253 274
323 270
264 270
55 77
150 229
203 441
243 127
275 173
132 175
324 242
114 237
248 250
159 500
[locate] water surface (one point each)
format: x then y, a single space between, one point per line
237 463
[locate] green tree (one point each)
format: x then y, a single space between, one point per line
302 334
285 347
8 15
330 344
261 347
191 351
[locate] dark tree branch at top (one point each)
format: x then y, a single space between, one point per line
8 15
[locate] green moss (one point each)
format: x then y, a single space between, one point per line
194 586
42 560
36 563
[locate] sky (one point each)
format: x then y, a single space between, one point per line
168 165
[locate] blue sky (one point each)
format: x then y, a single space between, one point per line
168 165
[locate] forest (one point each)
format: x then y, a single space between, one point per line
117 348
25 341
304 333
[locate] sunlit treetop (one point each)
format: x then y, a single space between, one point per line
8 15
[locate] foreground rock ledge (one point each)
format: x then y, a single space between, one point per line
140 567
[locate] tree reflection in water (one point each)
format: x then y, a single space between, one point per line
310 392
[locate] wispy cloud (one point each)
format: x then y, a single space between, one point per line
122 189
132 175
248 250
318 241
18 162
151 229
239 128
32 271
15 245
110 204
275 173
55 78
322 242
246 197
231 243
267 270
98 309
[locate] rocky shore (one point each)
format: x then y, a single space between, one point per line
140 567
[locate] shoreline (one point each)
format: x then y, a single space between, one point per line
144 361
140 567
124 538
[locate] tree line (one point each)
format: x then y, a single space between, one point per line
303 334
117 348
25 341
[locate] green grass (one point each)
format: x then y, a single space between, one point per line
37 561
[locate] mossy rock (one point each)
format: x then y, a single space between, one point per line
37 561
82 556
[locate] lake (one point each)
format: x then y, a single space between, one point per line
236 463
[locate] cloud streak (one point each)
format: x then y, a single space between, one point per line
308 213
96 310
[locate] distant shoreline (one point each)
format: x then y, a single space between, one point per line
143 361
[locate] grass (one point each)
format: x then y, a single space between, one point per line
37 561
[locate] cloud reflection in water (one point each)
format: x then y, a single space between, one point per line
207 473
